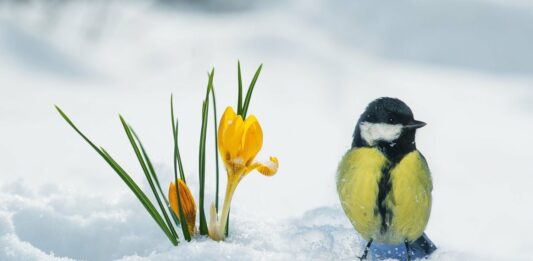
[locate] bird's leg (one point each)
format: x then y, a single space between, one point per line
407 250
367 247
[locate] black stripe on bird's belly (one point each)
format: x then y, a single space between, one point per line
394 152
384 188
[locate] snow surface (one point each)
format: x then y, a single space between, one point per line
464 67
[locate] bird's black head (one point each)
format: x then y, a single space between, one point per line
389 125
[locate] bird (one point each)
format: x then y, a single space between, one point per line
383 180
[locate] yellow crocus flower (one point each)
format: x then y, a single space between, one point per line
239 141
188 204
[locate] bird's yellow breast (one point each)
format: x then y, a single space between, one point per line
358 176
408 201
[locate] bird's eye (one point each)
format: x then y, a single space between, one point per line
391 120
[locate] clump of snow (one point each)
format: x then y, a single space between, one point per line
11 246
75 225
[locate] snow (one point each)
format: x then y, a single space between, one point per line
464 67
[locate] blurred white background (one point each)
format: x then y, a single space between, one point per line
464 67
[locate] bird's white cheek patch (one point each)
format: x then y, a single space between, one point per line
373 132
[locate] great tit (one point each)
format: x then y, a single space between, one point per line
383 181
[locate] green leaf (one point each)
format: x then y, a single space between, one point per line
154 176
201 160
205 110
215 122
176 219
182 221
239 97
177 156
149 171
249 92
150 166
127 180
140 195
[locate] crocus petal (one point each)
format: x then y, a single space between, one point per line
252 139
268 168
232 137
187 200
228 115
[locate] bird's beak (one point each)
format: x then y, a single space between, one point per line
415 125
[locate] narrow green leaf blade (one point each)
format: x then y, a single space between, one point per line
239 97
205 116
177 157
215 122
151 176
126 178
250 91
177 153
150 165
139 194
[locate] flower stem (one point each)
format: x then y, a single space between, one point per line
230 189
